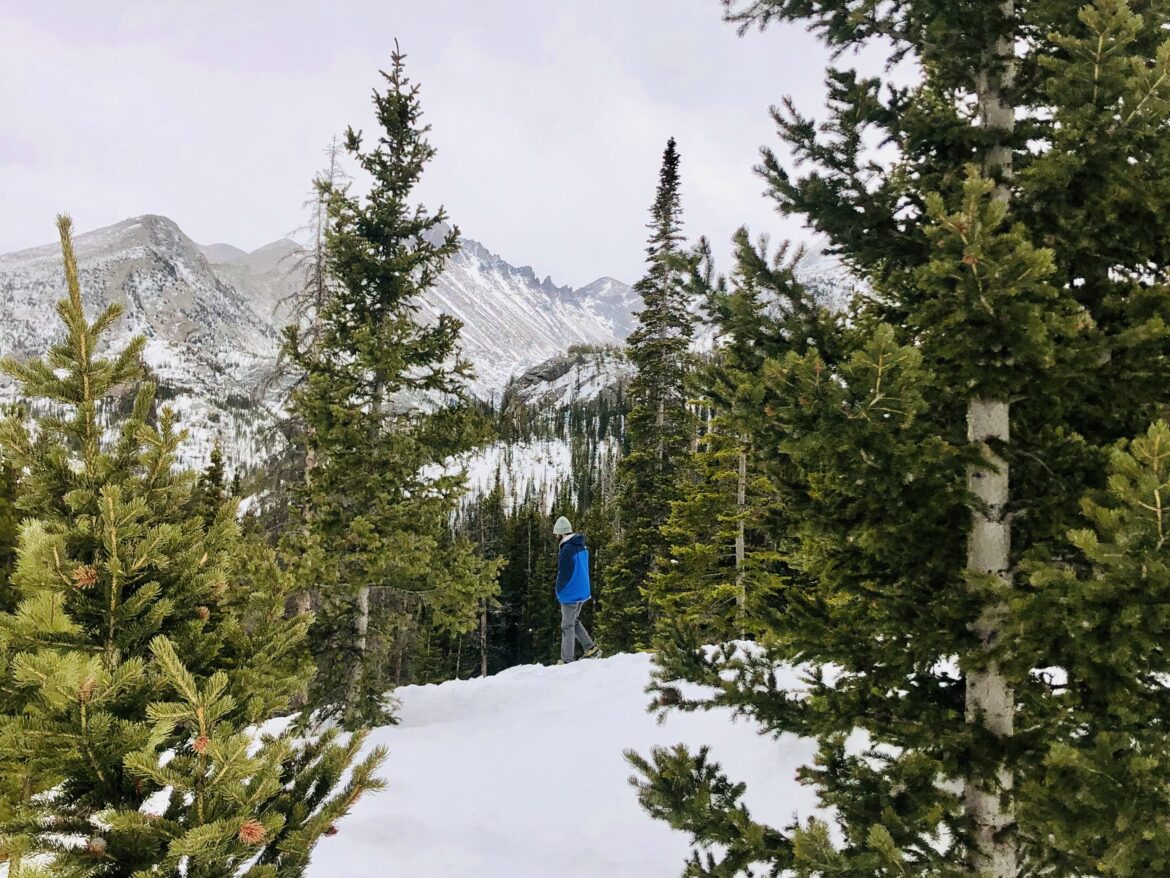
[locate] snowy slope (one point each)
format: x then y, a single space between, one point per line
205 343
213 316
615 300
581 375
521 775
512 320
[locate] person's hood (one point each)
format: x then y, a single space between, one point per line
574 540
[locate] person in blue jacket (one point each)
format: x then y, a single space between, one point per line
572 592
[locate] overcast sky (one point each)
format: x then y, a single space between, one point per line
549 117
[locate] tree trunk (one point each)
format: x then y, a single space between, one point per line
361 622
303 601
483 639
990 698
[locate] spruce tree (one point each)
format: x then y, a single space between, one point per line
721 567
932 455
386 409
659 427
210 490
726 556
143 644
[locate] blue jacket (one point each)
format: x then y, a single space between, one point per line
573 571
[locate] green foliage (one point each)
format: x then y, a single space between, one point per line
210 490
523 621
693 795
1043 286
1101 616
701 585
9 527
385 405
126 598
659 427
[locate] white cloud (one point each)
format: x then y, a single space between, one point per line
550 118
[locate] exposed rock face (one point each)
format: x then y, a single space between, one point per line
212 316
581 375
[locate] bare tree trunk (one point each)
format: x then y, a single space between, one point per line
483 639
304 600
361 625
990 699
740 542
399 658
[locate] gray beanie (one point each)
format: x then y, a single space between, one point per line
562 527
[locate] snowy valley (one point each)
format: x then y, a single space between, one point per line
548 743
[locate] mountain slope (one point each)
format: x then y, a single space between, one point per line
205 344
521 775
213 316
512 320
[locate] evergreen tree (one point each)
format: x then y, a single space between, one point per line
931 456
385 406
210 493
722 567
726 556
659 427
143 644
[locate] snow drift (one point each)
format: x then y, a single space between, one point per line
521 775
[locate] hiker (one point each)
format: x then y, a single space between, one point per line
572 592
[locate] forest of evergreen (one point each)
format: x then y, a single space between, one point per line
945 502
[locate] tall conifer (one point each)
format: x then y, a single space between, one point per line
386 408
659 426
932 456
144 642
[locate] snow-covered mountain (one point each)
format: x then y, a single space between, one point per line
579 375
206 344
212 316
512 320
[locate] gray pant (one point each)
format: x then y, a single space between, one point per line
572 631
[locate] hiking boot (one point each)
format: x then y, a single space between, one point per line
592 652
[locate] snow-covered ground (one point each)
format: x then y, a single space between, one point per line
536 468
521 775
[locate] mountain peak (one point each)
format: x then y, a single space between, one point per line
213 314
221 253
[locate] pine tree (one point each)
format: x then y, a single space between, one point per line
385 405
1107 616
934 451
210 492
143 644
659 426
725 564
